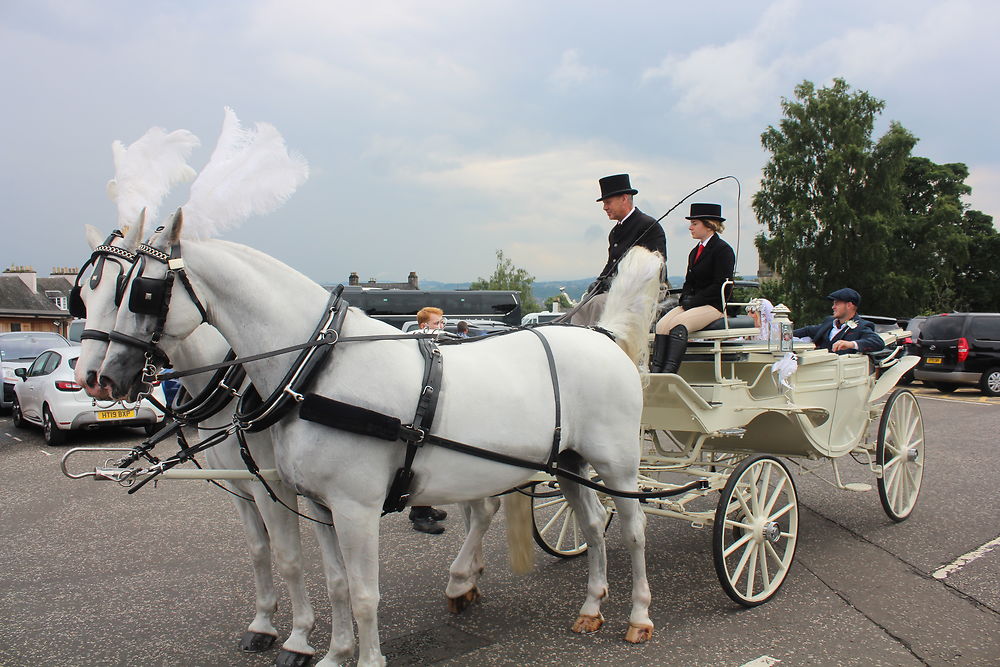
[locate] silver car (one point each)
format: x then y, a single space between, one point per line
47 395
17 350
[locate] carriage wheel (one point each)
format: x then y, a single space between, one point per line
899 452
756 529
553 522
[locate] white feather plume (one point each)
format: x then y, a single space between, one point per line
147 170
250 173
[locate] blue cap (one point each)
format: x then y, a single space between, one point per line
845 294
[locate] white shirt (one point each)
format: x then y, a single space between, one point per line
626 217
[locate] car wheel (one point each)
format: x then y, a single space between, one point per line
990 382
15 414
53 436
944 387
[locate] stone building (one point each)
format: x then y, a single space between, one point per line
412 282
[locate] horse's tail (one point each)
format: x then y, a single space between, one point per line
520 548
631 303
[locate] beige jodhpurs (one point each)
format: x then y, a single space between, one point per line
694 319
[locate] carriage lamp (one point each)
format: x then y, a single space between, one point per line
784 342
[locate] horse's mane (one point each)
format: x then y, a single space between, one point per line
631 303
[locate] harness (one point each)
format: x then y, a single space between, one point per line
102 254
151 296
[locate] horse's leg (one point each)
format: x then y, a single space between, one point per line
358 535
261 633
590 517
286 546
342 629
633 529
463 576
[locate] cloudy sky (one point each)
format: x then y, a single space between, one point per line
439 131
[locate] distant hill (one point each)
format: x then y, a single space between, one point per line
543 290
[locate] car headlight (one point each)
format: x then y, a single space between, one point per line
8 374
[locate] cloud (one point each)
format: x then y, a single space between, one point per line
570 72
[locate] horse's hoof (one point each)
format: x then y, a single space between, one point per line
288 658
255 642
586 624
463 602
637 634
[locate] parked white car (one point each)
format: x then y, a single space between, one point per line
48 396
540 318
17 350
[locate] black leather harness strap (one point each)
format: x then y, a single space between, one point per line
399 491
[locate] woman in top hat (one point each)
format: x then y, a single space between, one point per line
710 264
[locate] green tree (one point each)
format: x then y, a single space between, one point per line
561 299
506 276
829 196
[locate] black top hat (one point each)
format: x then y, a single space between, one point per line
845 294
616 185
706 212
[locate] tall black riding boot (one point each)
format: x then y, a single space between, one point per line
661 343
678 344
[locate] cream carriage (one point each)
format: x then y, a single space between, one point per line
728 418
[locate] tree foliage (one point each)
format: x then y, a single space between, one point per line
506 276
844 209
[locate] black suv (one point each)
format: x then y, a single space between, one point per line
960 349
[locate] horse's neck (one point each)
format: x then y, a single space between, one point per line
205 346
260 304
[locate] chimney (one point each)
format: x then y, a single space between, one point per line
353 279
64 271
27 275
413 281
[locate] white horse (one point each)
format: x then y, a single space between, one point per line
268 527
496 393
145 171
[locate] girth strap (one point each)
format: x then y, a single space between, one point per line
399 491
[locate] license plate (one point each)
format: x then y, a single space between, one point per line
933 360
116 414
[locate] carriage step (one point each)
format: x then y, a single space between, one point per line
857 486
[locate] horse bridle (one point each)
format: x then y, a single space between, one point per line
102 253
151 296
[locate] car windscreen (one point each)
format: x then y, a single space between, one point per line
944 327
29 346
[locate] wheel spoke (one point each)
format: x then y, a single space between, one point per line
562 531
778 488
737 544
752 571
550 503
782 512
765 576
742 564
555 517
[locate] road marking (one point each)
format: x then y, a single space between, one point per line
965 559
45 452
762 661
16 438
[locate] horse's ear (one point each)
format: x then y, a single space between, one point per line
174 228
133 233
93 236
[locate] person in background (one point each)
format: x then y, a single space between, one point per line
462 329
844 332
710 264
425 518
632 228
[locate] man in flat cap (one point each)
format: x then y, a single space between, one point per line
844 332
632 228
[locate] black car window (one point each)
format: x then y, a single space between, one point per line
914 325
52 363
985 328
38 365
72 362
943 327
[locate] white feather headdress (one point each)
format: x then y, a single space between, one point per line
250 173
147 170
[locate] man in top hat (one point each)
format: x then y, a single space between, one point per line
632 228
844 332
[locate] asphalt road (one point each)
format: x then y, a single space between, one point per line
92 576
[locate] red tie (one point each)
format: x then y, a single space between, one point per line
698 254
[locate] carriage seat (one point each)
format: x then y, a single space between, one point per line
740 326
